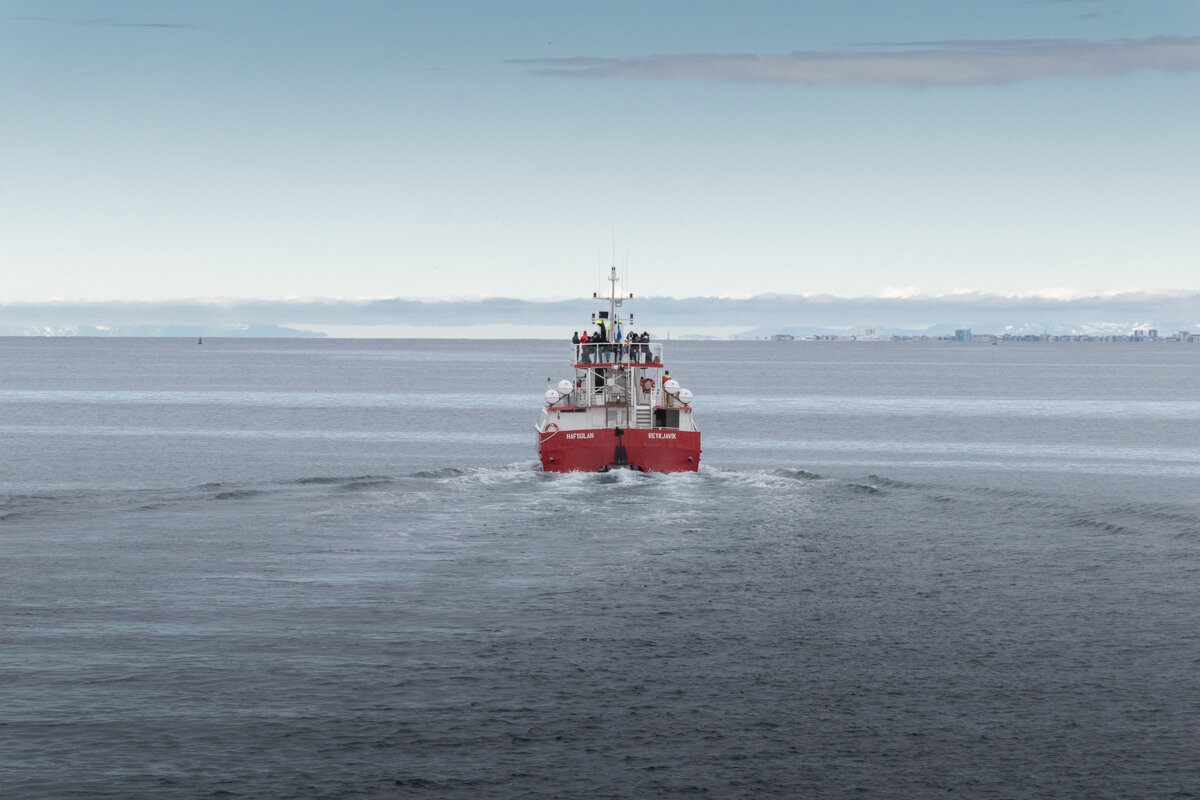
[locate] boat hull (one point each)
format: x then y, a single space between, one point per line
601 449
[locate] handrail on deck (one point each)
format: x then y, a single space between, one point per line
618 353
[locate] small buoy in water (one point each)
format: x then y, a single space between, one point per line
200 340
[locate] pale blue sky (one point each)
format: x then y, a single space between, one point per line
436 150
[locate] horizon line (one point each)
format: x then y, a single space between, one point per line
1060 294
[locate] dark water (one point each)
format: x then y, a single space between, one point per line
330 569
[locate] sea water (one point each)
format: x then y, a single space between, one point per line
296 568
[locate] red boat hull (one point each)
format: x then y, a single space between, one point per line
600 449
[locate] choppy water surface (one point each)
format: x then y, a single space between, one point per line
331 569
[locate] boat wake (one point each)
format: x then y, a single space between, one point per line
521 493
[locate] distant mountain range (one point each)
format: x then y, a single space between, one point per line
753 317
186 331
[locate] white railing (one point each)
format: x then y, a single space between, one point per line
598 396
618 353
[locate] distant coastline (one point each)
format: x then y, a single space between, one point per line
966 336
1127 316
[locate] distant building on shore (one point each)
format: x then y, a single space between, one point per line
969 336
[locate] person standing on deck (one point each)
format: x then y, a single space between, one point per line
601 339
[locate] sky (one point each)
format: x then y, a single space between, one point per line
361 150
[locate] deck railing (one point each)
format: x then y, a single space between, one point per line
615 395
618 353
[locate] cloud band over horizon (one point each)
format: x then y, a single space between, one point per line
905 64
759 315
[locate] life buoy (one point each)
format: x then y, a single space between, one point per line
647 384
551 428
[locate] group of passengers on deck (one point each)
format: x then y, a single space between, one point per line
636 346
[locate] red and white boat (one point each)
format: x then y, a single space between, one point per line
620 408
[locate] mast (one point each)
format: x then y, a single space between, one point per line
612 296
614 302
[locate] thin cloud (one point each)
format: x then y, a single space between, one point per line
104 22
912 64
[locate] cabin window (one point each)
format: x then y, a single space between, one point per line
666 418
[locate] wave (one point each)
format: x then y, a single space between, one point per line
797 474
21 506
1137 520
437 474
239 494
515 495
1099 524
892 483
325 480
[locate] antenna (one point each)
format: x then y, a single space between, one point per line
614 241
625 269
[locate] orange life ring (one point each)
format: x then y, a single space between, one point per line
647 384
551 428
